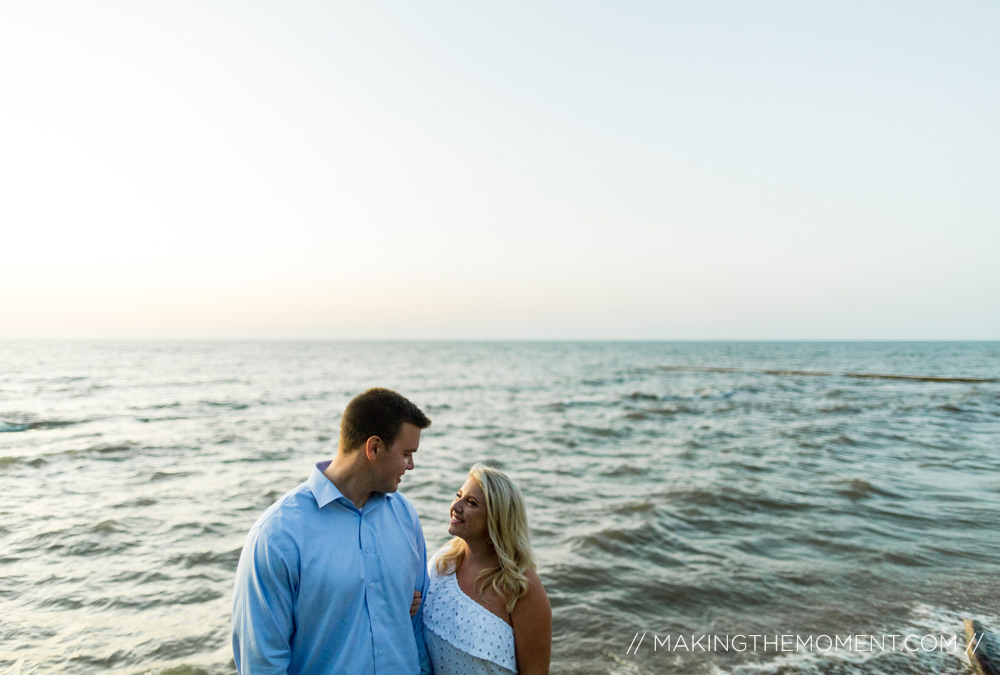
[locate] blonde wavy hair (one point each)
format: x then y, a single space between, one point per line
507 524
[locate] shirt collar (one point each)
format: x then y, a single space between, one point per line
325 491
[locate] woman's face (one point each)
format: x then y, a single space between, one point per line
468 512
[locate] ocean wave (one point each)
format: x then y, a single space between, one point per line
642 396
856 488
732 499
827 373
12 427
907 559
136 502
201 528
108 660
633 507
165 598
140 576
625 470
232 405
94 546
600 432
617 540
188 646
63 602
563 406
842 408
108 526
111 448
836 543
226 559
665 411
168 475
15 460
169 418
99 450
657 544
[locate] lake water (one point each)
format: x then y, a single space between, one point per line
674 488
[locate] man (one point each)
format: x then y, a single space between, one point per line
327 574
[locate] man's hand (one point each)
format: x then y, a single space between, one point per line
415 605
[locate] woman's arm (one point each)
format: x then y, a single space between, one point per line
532 619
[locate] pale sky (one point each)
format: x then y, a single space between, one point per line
505 170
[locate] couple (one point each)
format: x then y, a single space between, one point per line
332 575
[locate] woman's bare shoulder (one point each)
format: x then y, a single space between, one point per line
532 618
535 599
534 581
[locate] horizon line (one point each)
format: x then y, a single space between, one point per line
483 340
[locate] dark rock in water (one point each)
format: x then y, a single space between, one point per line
981 650
642 396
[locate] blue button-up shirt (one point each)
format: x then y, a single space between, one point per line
323 587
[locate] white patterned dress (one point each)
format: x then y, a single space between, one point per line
463 637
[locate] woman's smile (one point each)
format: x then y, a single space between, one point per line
468 509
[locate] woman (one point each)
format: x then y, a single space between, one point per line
486 611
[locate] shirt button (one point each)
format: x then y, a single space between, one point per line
371 584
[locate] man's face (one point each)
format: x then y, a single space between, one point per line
392 462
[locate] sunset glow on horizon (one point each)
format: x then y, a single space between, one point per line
521 171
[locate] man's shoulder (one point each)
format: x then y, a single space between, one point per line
405 505
403 499
292 507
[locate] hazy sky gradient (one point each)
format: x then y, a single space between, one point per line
629 170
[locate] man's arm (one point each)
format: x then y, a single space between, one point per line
262 608
423 581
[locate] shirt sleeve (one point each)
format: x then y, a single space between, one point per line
423 581
263 621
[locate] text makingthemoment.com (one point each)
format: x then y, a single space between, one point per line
799 643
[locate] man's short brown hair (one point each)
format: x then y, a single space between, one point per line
377 412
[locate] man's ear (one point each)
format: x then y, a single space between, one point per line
372 445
